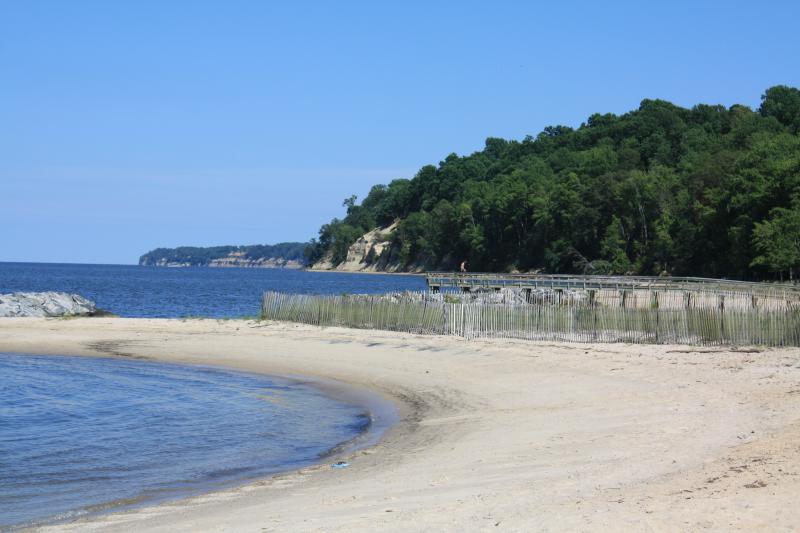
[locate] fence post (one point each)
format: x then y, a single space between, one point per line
654 305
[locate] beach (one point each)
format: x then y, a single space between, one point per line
493 435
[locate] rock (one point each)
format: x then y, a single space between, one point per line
45 304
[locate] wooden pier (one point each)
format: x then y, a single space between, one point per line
467 282
695 311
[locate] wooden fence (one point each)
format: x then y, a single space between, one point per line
693 318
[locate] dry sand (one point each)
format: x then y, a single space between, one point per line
495 435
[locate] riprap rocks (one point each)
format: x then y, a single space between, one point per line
45 304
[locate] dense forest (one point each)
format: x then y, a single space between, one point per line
197 256
707 191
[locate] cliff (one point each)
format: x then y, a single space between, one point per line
238 259
232 260
283 255
366 254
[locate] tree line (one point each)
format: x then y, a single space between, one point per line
707 191
202 256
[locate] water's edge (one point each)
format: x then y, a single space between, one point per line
381 411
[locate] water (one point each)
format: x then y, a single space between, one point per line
134 291
81 435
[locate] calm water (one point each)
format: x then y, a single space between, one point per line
82 435
135 291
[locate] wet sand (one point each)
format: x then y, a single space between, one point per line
494 435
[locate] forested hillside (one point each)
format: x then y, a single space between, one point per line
199 256
706 191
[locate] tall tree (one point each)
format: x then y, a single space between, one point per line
702 191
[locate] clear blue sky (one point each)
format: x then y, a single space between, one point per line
130 125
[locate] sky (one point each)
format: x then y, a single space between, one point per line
131 125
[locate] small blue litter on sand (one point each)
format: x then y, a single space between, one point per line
340 464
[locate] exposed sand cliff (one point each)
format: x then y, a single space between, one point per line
238 259
364 255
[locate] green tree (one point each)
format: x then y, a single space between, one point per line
660 188
778 240
783 103
613 247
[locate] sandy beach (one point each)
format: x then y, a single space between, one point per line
494 435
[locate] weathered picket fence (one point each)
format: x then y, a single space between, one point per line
696 318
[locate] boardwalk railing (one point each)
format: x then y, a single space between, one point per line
671 318
477 280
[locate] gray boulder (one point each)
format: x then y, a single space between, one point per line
45 304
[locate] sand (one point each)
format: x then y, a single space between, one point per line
494 435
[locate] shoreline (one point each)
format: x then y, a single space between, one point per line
388 413
379 273
382 413
298 268
511 435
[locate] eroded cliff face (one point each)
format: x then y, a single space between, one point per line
237 259
364 255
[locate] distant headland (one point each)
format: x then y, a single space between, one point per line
281 255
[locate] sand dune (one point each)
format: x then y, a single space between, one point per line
495 435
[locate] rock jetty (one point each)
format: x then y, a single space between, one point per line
45 304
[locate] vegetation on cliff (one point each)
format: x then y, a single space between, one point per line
706 191
197 256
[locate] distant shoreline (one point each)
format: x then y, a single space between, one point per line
248 266
366 272
301 269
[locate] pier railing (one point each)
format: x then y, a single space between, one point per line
652 317
467 281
